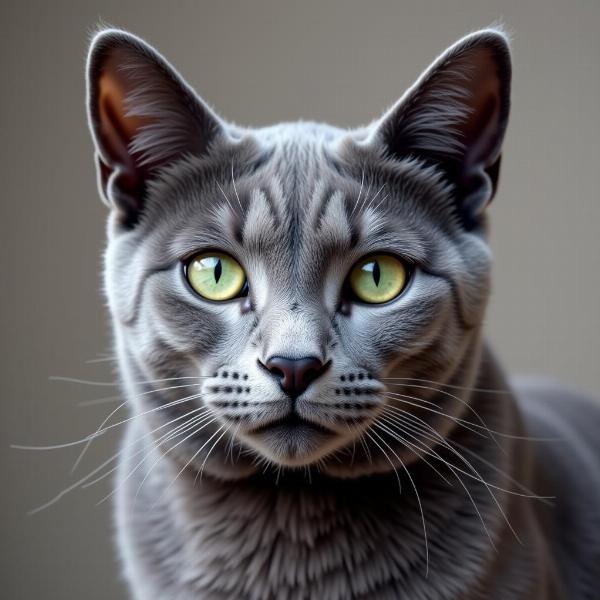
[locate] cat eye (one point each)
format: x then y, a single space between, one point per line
216 276
378 278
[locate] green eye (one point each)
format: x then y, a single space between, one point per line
377 279
216 276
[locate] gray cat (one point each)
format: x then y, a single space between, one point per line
297 312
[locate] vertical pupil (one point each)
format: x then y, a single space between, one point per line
376 273
218 270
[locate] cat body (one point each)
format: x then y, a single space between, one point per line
297 313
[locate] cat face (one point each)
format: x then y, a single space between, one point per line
295 282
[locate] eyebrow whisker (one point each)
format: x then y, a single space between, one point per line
362 182
225 196
235 188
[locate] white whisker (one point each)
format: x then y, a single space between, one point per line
362 181
83 480
381 201
374 197
419 451
92 361
448 385
98 401
477 477
416 494
209 452
454 397
454 472
225 196
117 383
162 455
426 405
100 432
170 435
235 188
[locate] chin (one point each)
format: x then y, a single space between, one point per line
294 442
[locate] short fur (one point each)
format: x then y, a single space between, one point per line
418 472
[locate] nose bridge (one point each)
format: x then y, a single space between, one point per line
294 331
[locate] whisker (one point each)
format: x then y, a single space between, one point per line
426 406
381 201
182 427
437 438
365 446
118 383
94 402
412 482
225 196
71 487
235 188
100 432
162 455
388 459
362 181
477 476
375 196
464 423
92 361
170 435
448 385
82 480
209 452
84 381
231 444
366 197
454 397
469 495
416 449
525 489
87 445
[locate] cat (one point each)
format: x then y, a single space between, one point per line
297 313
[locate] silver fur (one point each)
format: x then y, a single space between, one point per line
418 479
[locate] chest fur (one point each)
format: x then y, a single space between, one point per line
293 538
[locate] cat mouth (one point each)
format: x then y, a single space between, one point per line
292 423
292 441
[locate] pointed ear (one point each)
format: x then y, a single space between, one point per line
455 117
142 116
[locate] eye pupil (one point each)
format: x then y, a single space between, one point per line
218 270
376 273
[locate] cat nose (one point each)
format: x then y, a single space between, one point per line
295 374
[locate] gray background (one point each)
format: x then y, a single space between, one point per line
259 62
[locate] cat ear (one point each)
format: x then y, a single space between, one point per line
455 117
143 117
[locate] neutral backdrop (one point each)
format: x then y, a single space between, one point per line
259 62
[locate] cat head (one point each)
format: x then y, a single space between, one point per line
278 293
